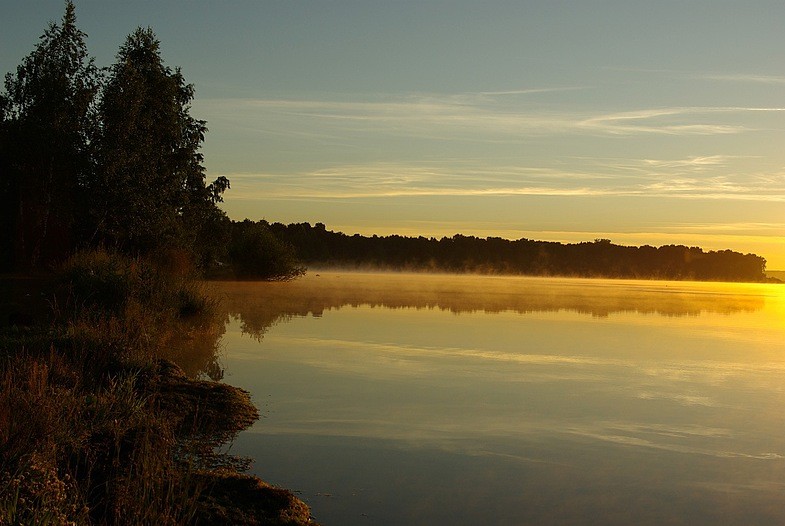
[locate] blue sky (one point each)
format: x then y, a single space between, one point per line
642 122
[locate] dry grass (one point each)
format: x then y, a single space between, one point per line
96 428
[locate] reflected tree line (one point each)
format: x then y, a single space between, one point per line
317 246
260 306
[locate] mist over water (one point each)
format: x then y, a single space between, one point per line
425 399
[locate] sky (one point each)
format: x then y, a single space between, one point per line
637 121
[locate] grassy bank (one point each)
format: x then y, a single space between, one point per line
98 425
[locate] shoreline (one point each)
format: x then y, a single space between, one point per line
100 428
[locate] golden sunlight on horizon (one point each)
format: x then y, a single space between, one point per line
772 248
664 384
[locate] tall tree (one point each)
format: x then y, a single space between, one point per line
150 183
45 121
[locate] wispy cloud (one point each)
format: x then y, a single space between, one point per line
669 121
467 117
699 163
532 91
745 77
698 177
728 228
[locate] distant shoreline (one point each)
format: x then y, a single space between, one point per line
776 274
772 277
314 245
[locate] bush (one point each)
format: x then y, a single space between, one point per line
96 427
108 282
256 253
97 279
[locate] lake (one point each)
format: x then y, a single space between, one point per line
405 399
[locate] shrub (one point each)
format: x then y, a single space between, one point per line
256 253
97 428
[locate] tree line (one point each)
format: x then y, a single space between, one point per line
317 246
104 211
110 158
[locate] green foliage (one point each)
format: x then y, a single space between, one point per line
92 159
86 436
150 186
106 282
45 126
112 159
256 253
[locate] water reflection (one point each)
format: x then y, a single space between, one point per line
260 305
398 399
197 350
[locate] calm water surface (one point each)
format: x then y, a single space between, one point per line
398 399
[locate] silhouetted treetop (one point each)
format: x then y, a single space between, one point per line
147 150
110 157
46 120
317 246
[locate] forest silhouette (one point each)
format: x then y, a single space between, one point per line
111 157
319 247
106 202
108 223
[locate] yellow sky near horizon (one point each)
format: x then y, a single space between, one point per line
506 218
640 122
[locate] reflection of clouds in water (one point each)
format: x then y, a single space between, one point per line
410 360
684 431
514 439
715 374
386 362
615 381
458 352
690 440
678 385
761 486
683 399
